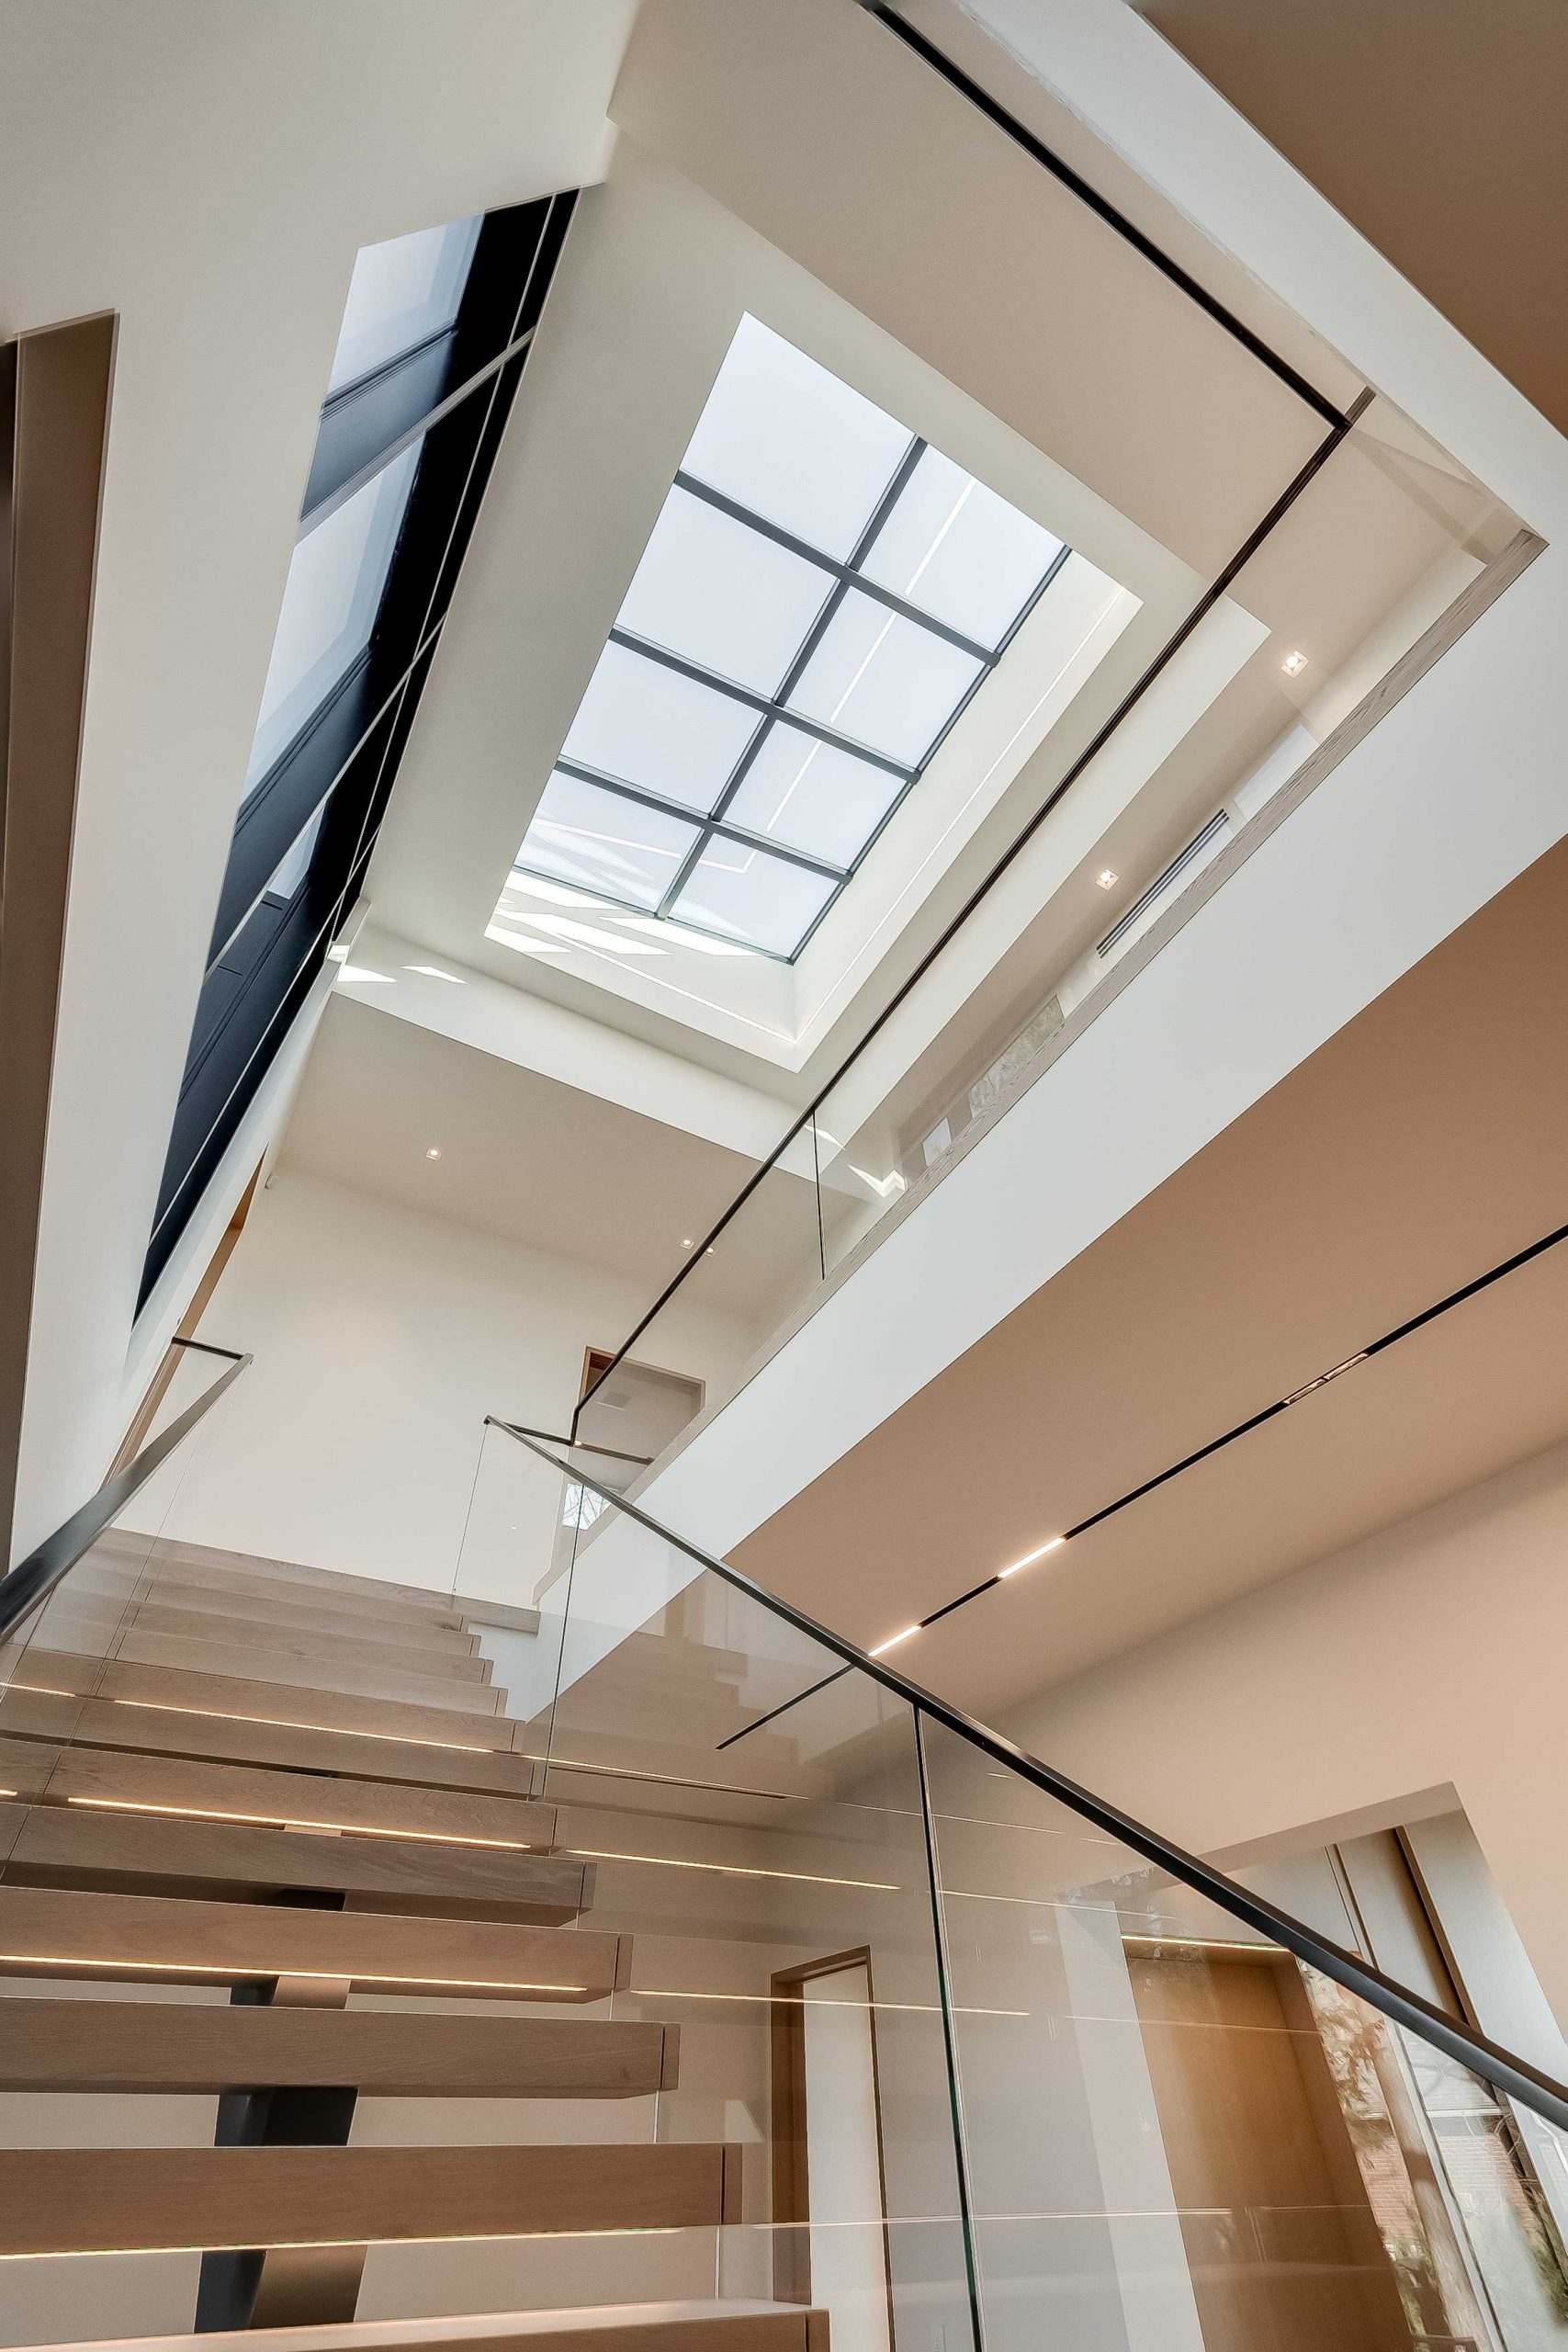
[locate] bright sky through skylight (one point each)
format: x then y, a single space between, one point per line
821 593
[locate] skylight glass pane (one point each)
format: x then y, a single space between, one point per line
650 726
884 680
722 595
600 840
960 552
746 895
402 291
330 603
788 439
812 796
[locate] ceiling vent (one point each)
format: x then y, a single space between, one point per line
1217 826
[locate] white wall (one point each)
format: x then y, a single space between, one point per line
381 1341
208 173
1427 1657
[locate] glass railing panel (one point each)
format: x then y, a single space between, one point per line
53 1657
733 1289
1380 556
1218 2143
752 1812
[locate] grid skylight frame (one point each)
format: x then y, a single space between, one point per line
841 575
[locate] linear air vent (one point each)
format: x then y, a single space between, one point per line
1218 824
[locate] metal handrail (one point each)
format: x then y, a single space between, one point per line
1514 2076
34 1578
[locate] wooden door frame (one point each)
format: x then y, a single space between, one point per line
158 1387
791 2195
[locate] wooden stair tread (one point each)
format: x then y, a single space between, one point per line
77 2045
174 1577
101 1723
115 1778
206 1556
298 1667
506 1615
253 1615
111 1849
445 1657
725 2326
128 1681
83 2200
154 1939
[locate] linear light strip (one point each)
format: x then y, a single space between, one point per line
296 1821
286 1723
781 2001
734 1870
227 1970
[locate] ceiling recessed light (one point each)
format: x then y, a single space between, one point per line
1294 664
434 1151
361 974
1106 879
893 1641
1052 1544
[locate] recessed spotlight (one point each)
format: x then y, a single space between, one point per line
1106 879
434 1151
1294 664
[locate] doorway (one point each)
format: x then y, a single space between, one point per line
1281 2242
830 2243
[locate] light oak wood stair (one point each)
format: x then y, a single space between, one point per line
85 2046
306 1790
728 2326
96 2200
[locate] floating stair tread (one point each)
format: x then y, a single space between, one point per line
299 1666
89 2201
101 1723
504 1614
78 2045
115 1778
200 1690
155 1938
207 1555
175 1608
172 1577
441 1656
114 1847
735 2326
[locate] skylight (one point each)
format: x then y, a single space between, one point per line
820 596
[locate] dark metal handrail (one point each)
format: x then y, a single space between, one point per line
1512 2075
34 1578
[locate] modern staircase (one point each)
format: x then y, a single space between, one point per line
690 1983
303 1788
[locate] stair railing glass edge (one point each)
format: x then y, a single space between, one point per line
33 1579
1513 2075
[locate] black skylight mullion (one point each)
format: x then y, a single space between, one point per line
848 573
843 573
707 826
841 821
819 627
796 718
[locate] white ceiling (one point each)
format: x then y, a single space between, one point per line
535 1159
1424 1143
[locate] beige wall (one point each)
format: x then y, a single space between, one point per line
1430 1655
